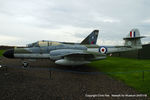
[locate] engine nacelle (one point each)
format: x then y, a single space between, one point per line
67 62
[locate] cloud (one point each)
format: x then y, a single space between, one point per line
69 20
147 21
9 40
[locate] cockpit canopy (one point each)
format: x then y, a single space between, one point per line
43 43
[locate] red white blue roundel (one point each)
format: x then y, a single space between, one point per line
103 49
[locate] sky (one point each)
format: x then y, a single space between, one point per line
26 21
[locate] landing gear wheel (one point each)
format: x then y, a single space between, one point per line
25 64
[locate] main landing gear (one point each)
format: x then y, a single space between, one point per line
25 64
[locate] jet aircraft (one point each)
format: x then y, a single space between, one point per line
73 54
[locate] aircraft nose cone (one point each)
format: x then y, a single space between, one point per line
9 53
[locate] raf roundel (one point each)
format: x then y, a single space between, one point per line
103 50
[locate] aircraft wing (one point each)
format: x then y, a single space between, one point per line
74 57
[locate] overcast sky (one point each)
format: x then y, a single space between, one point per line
27 21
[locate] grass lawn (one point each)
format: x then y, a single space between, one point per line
130 71
1 52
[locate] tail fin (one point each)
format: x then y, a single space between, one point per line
133 39
92 38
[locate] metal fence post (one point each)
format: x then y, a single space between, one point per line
143 75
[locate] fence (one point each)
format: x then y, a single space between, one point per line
4 68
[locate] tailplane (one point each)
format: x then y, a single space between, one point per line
133 39
92 38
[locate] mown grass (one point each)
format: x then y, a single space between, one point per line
130 71
1 52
